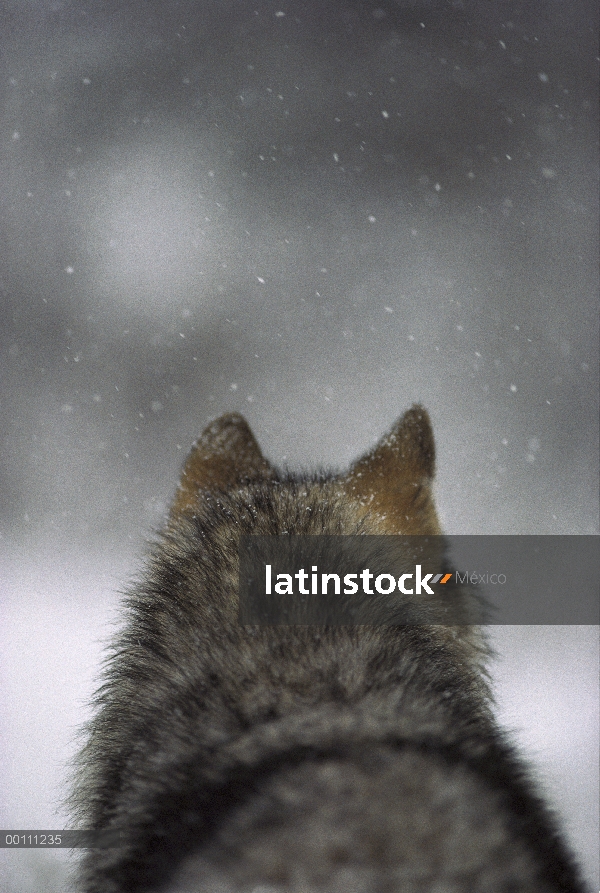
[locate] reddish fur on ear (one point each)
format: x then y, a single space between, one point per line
224 455
393 480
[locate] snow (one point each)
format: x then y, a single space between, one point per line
156 273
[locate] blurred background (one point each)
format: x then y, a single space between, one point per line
315 213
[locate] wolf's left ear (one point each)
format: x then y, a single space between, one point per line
393 481
226 454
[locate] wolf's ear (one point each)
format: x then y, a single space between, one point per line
393 481
224 455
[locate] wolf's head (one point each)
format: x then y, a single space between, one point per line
389 489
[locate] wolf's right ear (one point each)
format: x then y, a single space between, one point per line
226 454
392 482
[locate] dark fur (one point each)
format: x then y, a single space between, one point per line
310 759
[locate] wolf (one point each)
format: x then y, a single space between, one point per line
229 757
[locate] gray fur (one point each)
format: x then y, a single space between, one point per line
300 759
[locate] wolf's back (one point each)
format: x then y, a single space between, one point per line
363 759
336 800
